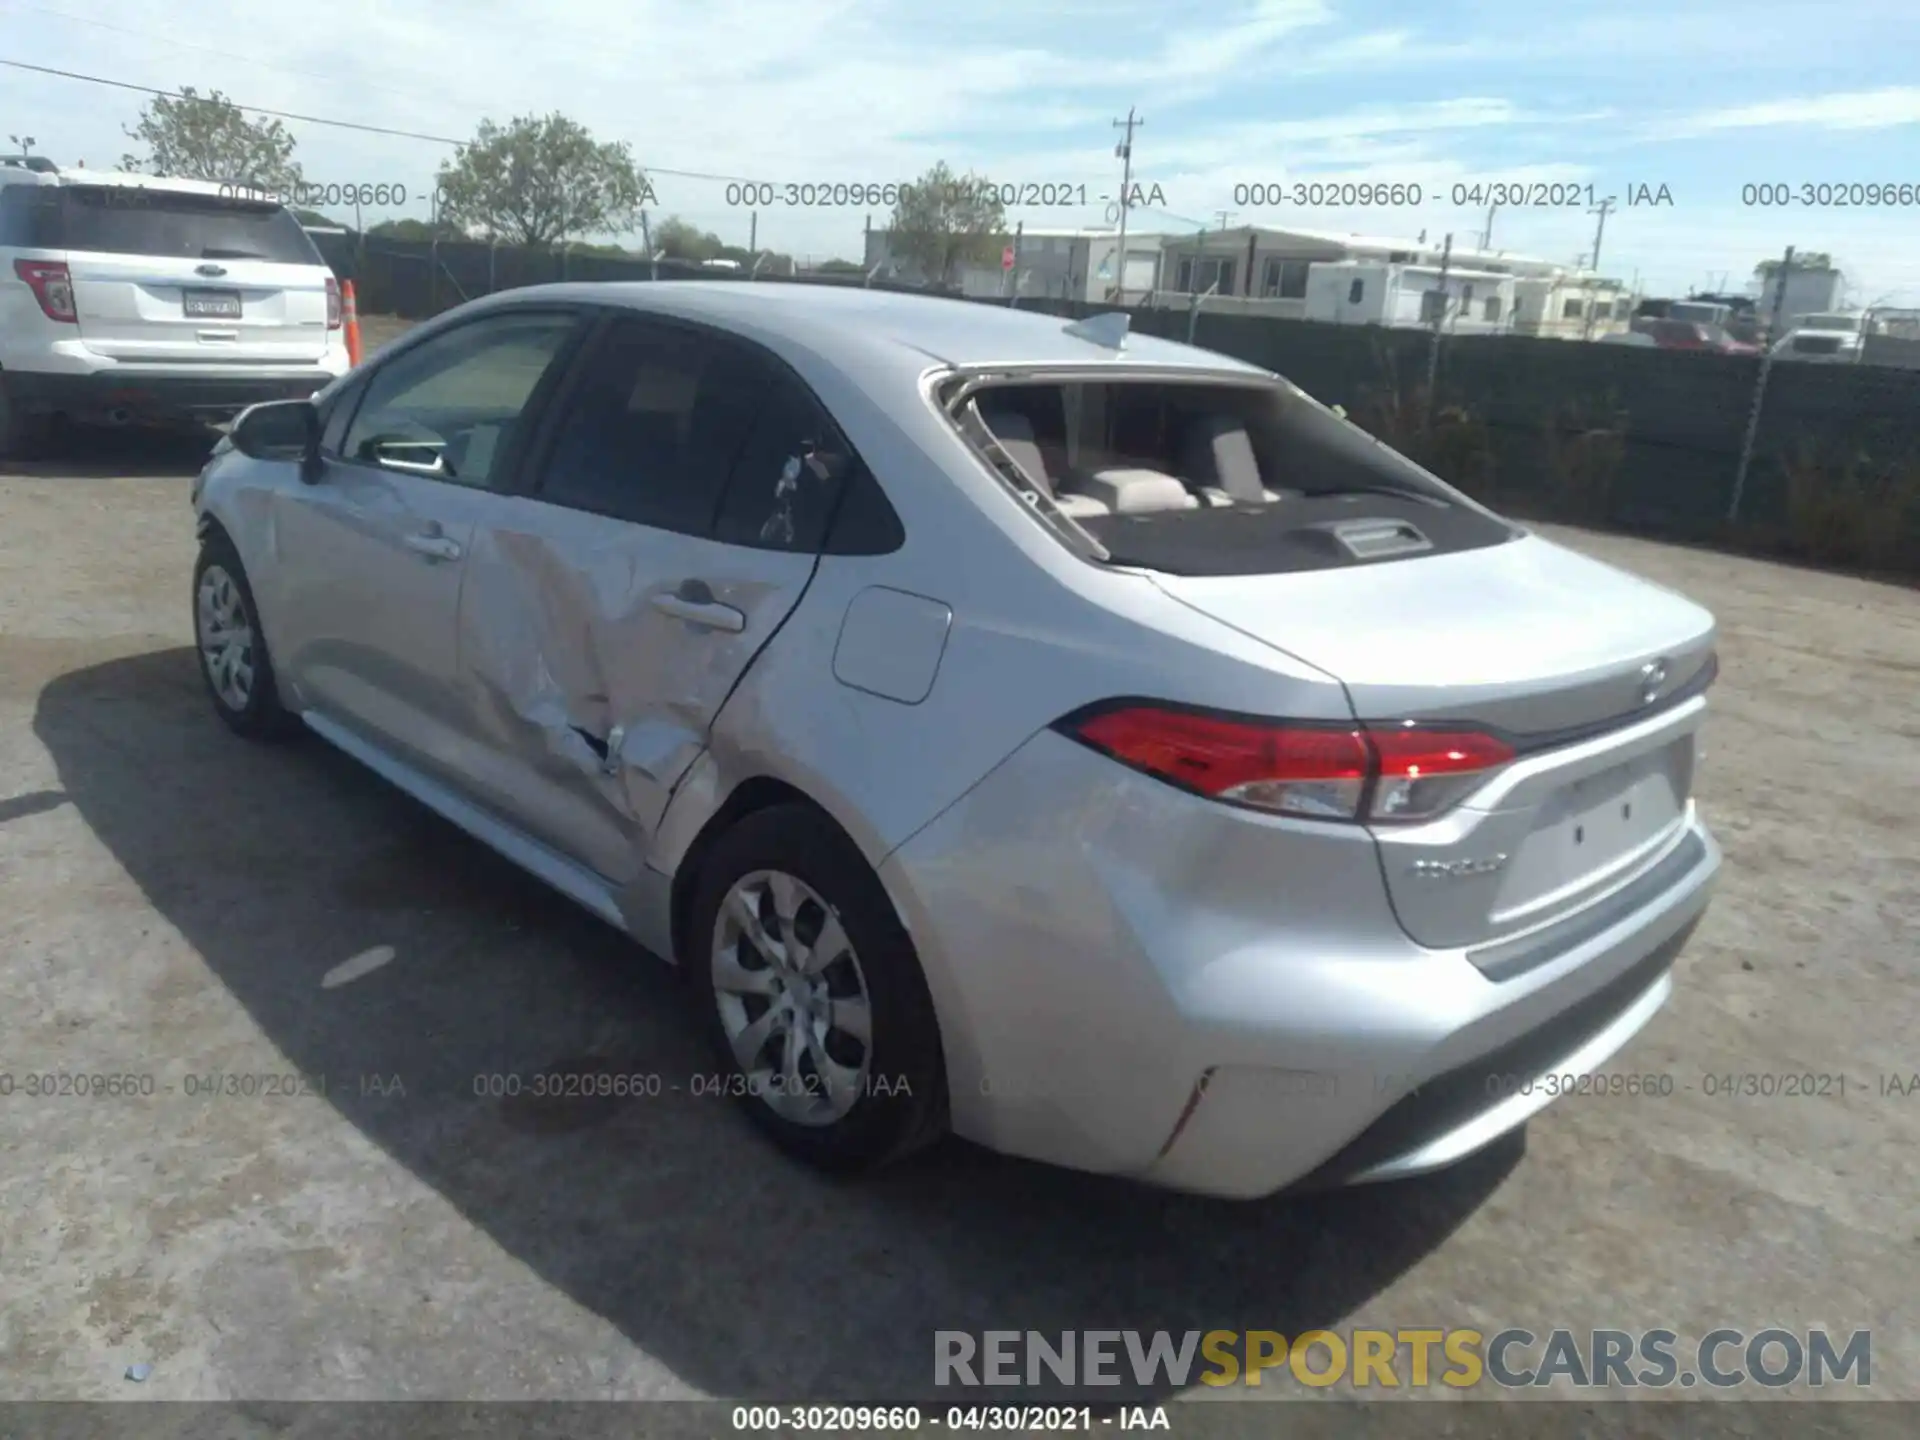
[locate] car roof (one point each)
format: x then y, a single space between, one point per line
824 318
172 185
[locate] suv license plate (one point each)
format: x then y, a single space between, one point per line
212 304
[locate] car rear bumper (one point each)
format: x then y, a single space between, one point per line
1135 981
157 396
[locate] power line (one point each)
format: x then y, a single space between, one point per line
213 50
339 124
366 129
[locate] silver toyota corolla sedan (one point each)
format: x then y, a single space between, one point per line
1088 744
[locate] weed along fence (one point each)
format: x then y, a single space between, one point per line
1806 461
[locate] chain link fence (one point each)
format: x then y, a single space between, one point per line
1640 439
1628 437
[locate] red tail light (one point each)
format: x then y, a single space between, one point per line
52 286
1422 772
333 303
1320 772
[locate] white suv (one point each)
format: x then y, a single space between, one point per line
135 299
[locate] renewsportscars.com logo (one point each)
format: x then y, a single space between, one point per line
1412 1358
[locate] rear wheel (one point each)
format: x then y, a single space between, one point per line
815 1003
233 653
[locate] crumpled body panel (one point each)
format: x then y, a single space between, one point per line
591 689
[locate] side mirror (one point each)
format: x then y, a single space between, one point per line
279 430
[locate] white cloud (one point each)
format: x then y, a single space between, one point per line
876 90
1851 110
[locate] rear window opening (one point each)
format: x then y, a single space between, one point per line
1212 478
137 220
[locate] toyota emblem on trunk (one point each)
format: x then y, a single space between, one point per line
1653 675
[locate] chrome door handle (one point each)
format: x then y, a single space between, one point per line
434 547
709 614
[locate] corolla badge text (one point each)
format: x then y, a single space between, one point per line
1456 869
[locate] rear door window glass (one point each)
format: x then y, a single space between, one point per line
788 476
650 433
28 216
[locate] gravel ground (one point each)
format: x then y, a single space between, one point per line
178 903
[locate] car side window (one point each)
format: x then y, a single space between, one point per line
449 407
788 476
651 431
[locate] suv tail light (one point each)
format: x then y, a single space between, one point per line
333 303
1317 771
52 286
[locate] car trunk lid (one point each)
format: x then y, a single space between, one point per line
1589 673
173 278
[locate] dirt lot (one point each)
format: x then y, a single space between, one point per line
178 903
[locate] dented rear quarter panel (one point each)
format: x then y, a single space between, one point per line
1035 634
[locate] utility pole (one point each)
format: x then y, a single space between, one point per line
1125 151
1486 235
26 144
1759 389
1439 321
1225 216
646 238
1603 209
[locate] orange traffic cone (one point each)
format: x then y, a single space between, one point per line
350 321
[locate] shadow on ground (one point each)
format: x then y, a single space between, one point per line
88 454
740 1273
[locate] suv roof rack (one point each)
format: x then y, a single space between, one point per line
39 164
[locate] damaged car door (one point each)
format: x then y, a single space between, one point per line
372 552
673 518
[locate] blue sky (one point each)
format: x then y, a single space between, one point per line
1701 96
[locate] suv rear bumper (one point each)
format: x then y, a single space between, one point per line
157 397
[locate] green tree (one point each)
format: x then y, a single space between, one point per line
208 137
943 221
410 229
540 180
678 239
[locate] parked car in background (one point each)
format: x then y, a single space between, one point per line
1085 742
132 299
1820 346
1696 335
1828 337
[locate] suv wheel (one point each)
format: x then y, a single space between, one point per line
233 653
815 1004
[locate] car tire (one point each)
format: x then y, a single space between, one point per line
858 1103
22 436
232 652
